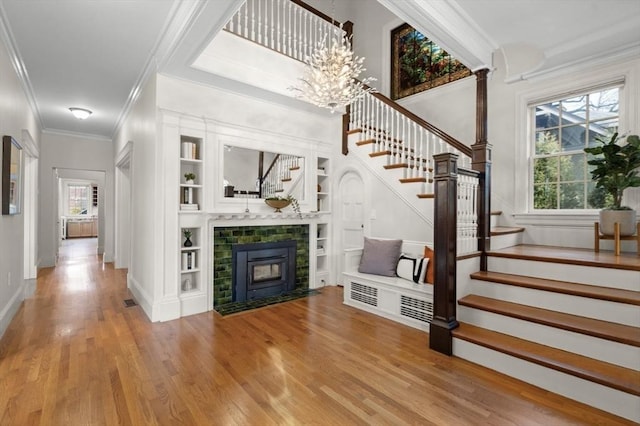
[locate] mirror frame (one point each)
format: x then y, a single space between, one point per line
303 161
11 173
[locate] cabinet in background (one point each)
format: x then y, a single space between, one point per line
82 228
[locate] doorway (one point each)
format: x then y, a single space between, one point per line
79 209
351 215
124 195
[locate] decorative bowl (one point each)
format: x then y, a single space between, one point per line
277 203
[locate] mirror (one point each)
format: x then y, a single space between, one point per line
250 173
11 174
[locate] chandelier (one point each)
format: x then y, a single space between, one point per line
330 78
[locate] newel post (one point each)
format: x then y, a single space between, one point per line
444 243
481 162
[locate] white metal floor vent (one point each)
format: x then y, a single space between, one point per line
420 310
364 294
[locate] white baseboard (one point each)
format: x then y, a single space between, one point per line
140 295
47 262
30 286
162 310
107 258
10 309
193 303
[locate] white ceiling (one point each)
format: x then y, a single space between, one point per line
95 54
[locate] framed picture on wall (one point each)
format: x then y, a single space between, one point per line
419 64
11 176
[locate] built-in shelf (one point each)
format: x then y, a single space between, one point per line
191 199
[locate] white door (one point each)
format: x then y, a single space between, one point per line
351 219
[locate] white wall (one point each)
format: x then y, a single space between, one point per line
15 116
61 151
140 129
370 19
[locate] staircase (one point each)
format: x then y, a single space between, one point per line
570 327
285 176
578 338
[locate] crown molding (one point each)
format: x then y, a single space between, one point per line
179 20
68 133
449 26
18 65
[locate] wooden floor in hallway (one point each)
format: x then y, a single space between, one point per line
78 247
75 355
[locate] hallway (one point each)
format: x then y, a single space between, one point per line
78 247
75 355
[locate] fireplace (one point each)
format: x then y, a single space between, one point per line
263 269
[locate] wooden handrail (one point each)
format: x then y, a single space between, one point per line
420 121
273 163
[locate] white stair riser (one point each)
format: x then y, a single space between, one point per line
593 394
507 240
393 176
606 277
592 347
495 220
621 313
408 191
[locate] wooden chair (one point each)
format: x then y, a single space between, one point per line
615 237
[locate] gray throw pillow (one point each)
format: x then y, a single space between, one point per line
380 257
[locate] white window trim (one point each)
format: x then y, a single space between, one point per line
629 118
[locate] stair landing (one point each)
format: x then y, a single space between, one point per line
572 256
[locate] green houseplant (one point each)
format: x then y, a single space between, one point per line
187 235
616 169
189 177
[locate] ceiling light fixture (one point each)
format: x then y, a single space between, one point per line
80 113
330 79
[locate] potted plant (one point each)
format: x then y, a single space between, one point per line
187 235
616 169
189 178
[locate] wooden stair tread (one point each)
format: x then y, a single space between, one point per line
396 166
569 256
413 180
576 289
423 196
610 375
597 328
496 213
504 230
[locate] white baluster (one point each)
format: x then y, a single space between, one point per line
259 22
253 18
413 154
289 28
272 39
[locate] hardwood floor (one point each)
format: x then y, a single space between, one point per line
74 355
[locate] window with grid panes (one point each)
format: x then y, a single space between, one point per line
563 128
78 199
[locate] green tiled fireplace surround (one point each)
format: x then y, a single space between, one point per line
225 237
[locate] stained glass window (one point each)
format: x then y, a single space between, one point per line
419 64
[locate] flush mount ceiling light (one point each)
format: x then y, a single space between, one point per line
80 113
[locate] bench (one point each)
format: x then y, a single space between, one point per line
393 298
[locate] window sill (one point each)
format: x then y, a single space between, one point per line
577 219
